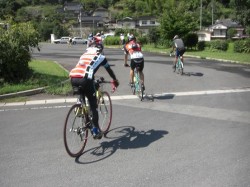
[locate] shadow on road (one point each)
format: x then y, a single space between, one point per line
163 97
120 138
194 74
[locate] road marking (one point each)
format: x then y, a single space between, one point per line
197 111
128 97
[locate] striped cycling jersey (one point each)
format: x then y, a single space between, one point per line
88 64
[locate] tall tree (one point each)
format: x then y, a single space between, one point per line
177 20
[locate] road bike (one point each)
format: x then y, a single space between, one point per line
137 88
179 65
78 122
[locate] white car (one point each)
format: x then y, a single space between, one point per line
62 40
79 40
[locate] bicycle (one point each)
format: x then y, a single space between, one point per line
137 87
179 65
78 122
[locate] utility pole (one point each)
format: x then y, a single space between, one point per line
212 12
200 14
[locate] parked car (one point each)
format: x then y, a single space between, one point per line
79 40
62 40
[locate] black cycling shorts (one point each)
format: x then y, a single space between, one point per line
137 62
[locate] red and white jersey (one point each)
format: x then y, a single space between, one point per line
88 64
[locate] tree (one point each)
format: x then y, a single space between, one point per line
15 47
177 20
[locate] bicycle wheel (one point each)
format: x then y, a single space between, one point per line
140 91
180 66
105 112
75 133
138 86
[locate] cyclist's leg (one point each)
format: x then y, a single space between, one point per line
141 67
176 58
132 67
181 55
90 94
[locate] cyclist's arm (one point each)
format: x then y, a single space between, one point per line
110 72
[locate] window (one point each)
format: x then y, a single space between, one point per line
143 22
152 22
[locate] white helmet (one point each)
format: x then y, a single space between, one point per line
176 37
93 49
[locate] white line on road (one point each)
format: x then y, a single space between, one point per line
126 97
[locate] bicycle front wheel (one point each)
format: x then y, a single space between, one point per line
138 87
105 112
75 133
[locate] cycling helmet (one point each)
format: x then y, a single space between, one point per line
176 37
98 34
131 37
134 46
99 47
94 49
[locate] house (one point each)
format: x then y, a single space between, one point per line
144 23
73 7
220 28
126 23
204 35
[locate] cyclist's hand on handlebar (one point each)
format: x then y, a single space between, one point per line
115 84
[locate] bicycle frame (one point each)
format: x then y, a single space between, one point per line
137 84
179 65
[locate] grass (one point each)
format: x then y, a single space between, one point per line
45 74
225 55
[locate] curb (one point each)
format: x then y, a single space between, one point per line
23 93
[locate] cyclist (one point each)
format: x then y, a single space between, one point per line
133 49
83 74
90 38
122 40
179 47
97 41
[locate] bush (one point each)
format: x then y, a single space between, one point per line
218 45
201 45
15 45
191 40
142 40
242 46
112 40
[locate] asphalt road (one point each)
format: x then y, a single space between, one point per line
195 133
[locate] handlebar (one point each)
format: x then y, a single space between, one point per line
102 80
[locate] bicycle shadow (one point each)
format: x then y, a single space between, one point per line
120 138
163 97
196 74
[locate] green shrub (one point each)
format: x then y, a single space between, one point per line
201 45
191 40
15 45
242 46
221 45
143 40
112 40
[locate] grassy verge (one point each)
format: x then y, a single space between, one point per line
224 55
45 74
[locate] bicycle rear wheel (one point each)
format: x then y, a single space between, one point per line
75 133
138 86
180 66
105 112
